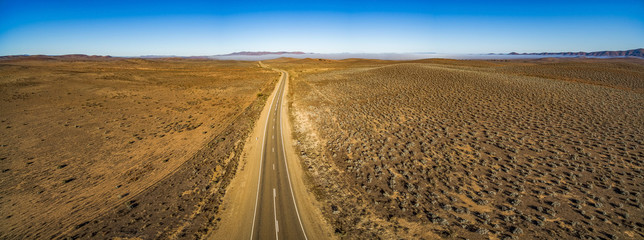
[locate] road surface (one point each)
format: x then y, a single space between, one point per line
276 215
249 209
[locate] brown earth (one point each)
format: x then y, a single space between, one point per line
94 147
112 147
543 149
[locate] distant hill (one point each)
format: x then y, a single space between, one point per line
55 57
627 53
260 53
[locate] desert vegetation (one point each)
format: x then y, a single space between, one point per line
543 149
113 147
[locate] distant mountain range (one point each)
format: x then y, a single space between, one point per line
627 53
55 57
260 53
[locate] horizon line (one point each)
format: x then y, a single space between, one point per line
262 53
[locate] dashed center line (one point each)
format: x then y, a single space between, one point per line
277 225
277 98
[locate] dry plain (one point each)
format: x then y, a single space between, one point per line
107 147
146 148
537 149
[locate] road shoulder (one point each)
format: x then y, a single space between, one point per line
315 224
236 219
236 215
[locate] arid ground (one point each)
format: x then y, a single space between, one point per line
105 147
100 148
536 149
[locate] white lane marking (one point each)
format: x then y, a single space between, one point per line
273 166
273 137
277 226
273 149
287 172
252 229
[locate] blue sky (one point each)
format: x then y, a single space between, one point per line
132 28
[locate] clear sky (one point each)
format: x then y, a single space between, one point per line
132 28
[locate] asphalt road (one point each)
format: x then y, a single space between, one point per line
276 214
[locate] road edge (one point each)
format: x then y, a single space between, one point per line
315 224
233 224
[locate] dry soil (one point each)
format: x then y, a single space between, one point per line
543 149
110 147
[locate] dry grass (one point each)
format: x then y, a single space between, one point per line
473 149
82 139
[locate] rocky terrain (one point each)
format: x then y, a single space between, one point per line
509 149
99 147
